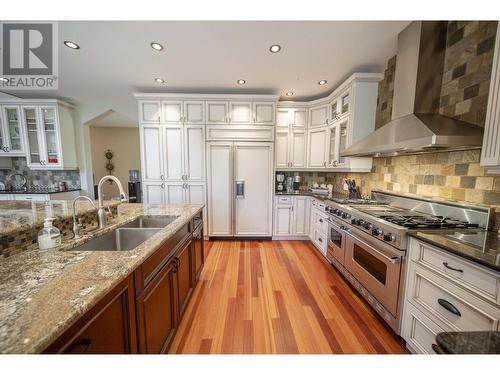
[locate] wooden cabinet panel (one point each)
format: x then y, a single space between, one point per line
283 118
107 328
184 271
198 253
283 220
299 118
319 115
298 148
194 146
301 216
156 312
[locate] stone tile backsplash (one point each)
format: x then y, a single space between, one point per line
38 178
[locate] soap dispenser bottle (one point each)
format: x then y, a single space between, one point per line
49 236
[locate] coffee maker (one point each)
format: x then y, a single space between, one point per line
280 181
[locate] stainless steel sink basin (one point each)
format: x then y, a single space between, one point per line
151 222
120 239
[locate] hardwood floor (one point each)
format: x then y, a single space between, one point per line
277 297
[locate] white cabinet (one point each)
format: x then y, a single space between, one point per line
149 111
50 137
240 113
318 231
291 216
337 143
283 220
317 148
187 112
264 113
490 152
318 115
291 138
173 152
445 292
153 192
217 112
11 135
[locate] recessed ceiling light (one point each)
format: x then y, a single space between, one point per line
159 80
275 48
71 44
4 79
241 82
157 46
289 93
322 82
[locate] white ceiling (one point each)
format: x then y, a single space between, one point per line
116 60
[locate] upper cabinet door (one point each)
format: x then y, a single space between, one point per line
240 113
298 148
172 111
34 153
299 118
283 118
11 137
194 112
282 149
151 150
172 152
317 148
194 151
50 129
217 112
264 113
149 111
319 115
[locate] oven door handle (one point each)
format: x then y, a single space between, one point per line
393 259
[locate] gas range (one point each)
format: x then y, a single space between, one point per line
388 217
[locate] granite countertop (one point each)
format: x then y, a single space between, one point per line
72 281
323 197
479 246
38 191
469 342
17 216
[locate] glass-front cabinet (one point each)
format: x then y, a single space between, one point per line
340 106
338 142
44 147
11 139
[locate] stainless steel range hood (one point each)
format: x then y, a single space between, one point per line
416 125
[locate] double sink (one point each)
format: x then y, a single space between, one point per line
128 236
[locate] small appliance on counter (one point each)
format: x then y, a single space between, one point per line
296 182
134 187
280 179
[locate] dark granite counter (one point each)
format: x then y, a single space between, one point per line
479 246
38 191
469 342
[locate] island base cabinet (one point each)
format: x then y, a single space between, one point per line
156 312
198 254
107 328
184 276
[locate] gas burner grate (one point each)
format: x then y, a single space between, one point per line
426 222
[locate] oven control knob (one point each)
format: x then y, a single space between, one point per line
367 225
335 210
376 231
355 221
339 213
345 215
389 237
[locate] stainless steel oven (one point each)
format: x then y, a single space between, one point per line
336 242
377 266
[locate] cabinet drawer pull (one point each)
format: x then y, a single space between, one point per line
449 306
320 220
320 239
437 349
83 342
451 268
